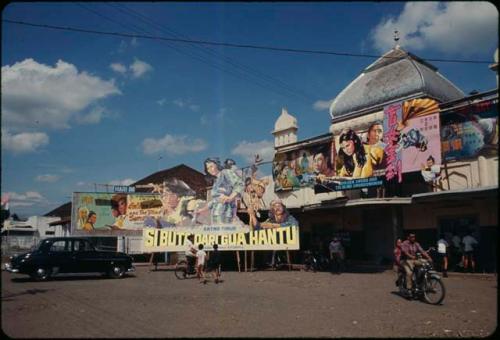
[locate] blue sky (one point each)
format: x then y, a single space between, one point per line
79 109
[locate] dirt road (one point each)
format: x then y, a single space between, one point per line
259 304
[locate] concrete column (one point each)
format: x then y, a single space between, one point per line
482 165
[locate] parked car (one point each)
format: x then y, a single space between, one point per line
69 255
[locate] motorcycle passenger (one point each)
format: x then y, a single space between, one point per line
409 250
190 253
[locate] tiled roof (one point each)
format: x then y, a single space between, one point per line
396 75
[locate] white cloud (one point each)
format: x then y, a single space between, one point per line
139 68
248 150
161 102
94 116
47 178
173 145
28 198
81 184
127 181
118 67
322 105
186 103
36 96
23 142
464 27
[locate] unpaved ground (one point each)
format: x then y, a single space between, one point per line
259 304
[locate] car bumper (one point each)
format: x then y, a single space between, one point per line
131 269
8 267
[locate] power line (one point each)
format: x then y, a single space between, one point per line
259 47
238 65
197 56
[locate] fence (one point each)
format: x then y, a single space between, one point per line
16 244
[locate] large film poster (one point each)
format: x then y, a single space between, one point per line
299 168
466 133
420 142
359 161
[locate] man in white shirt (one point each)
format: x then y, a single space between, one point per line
470 244
442 249
336 255
190 253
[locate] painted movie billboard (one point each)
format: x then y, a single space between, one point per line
468 132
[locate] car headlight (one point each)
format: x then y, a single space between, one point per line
27 256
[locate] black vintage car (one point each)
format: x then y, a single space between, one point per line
69 255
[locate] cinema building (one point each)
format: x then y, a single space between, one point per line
422 114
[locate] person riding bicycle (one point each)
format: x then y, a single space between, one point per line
409 250
190 253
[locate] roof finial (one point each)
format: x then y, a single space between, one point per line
396 38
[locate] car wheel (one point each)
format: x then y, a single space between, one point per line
40 274
116 271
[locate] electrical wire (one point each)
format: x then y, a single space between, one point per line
205 42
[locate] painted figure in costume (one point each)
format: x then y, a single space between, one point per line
278 216
415 138
227 188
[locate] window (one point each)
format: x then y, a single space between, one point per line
81 245
60 246
50 233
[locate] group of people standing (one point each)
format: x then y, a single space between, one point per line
200 262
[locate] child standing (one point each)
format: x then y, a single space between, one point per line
200 262
215 262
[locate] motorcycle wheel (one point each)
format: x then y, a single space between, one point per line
434 291
181 270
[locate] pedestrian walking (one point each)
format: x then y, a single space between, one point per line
214 263
470 245
442 250
456 251
336 255
201 255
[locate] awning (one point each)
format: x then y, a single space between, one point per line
455 195
343 202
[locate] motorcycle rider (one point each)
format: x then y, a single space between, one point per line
409 250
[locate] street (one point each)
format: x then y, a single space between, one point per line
155 304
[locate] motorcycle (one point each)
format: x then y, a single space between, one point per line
427 284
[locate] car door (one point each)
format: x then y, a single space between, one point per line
86 257
59 256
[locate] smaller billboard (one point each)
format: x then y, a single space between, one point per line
174 239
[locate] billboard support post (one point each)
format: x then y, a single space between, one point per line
238 260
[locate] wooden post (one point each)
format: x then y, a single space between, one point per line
245 254
238 260
288 260
151 258
252 261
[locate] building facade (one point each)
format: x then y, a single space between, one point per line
407 151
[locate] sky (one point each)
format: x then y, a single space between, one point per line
83 108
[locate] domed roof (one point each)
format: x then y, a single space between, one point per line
285 121
397 75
